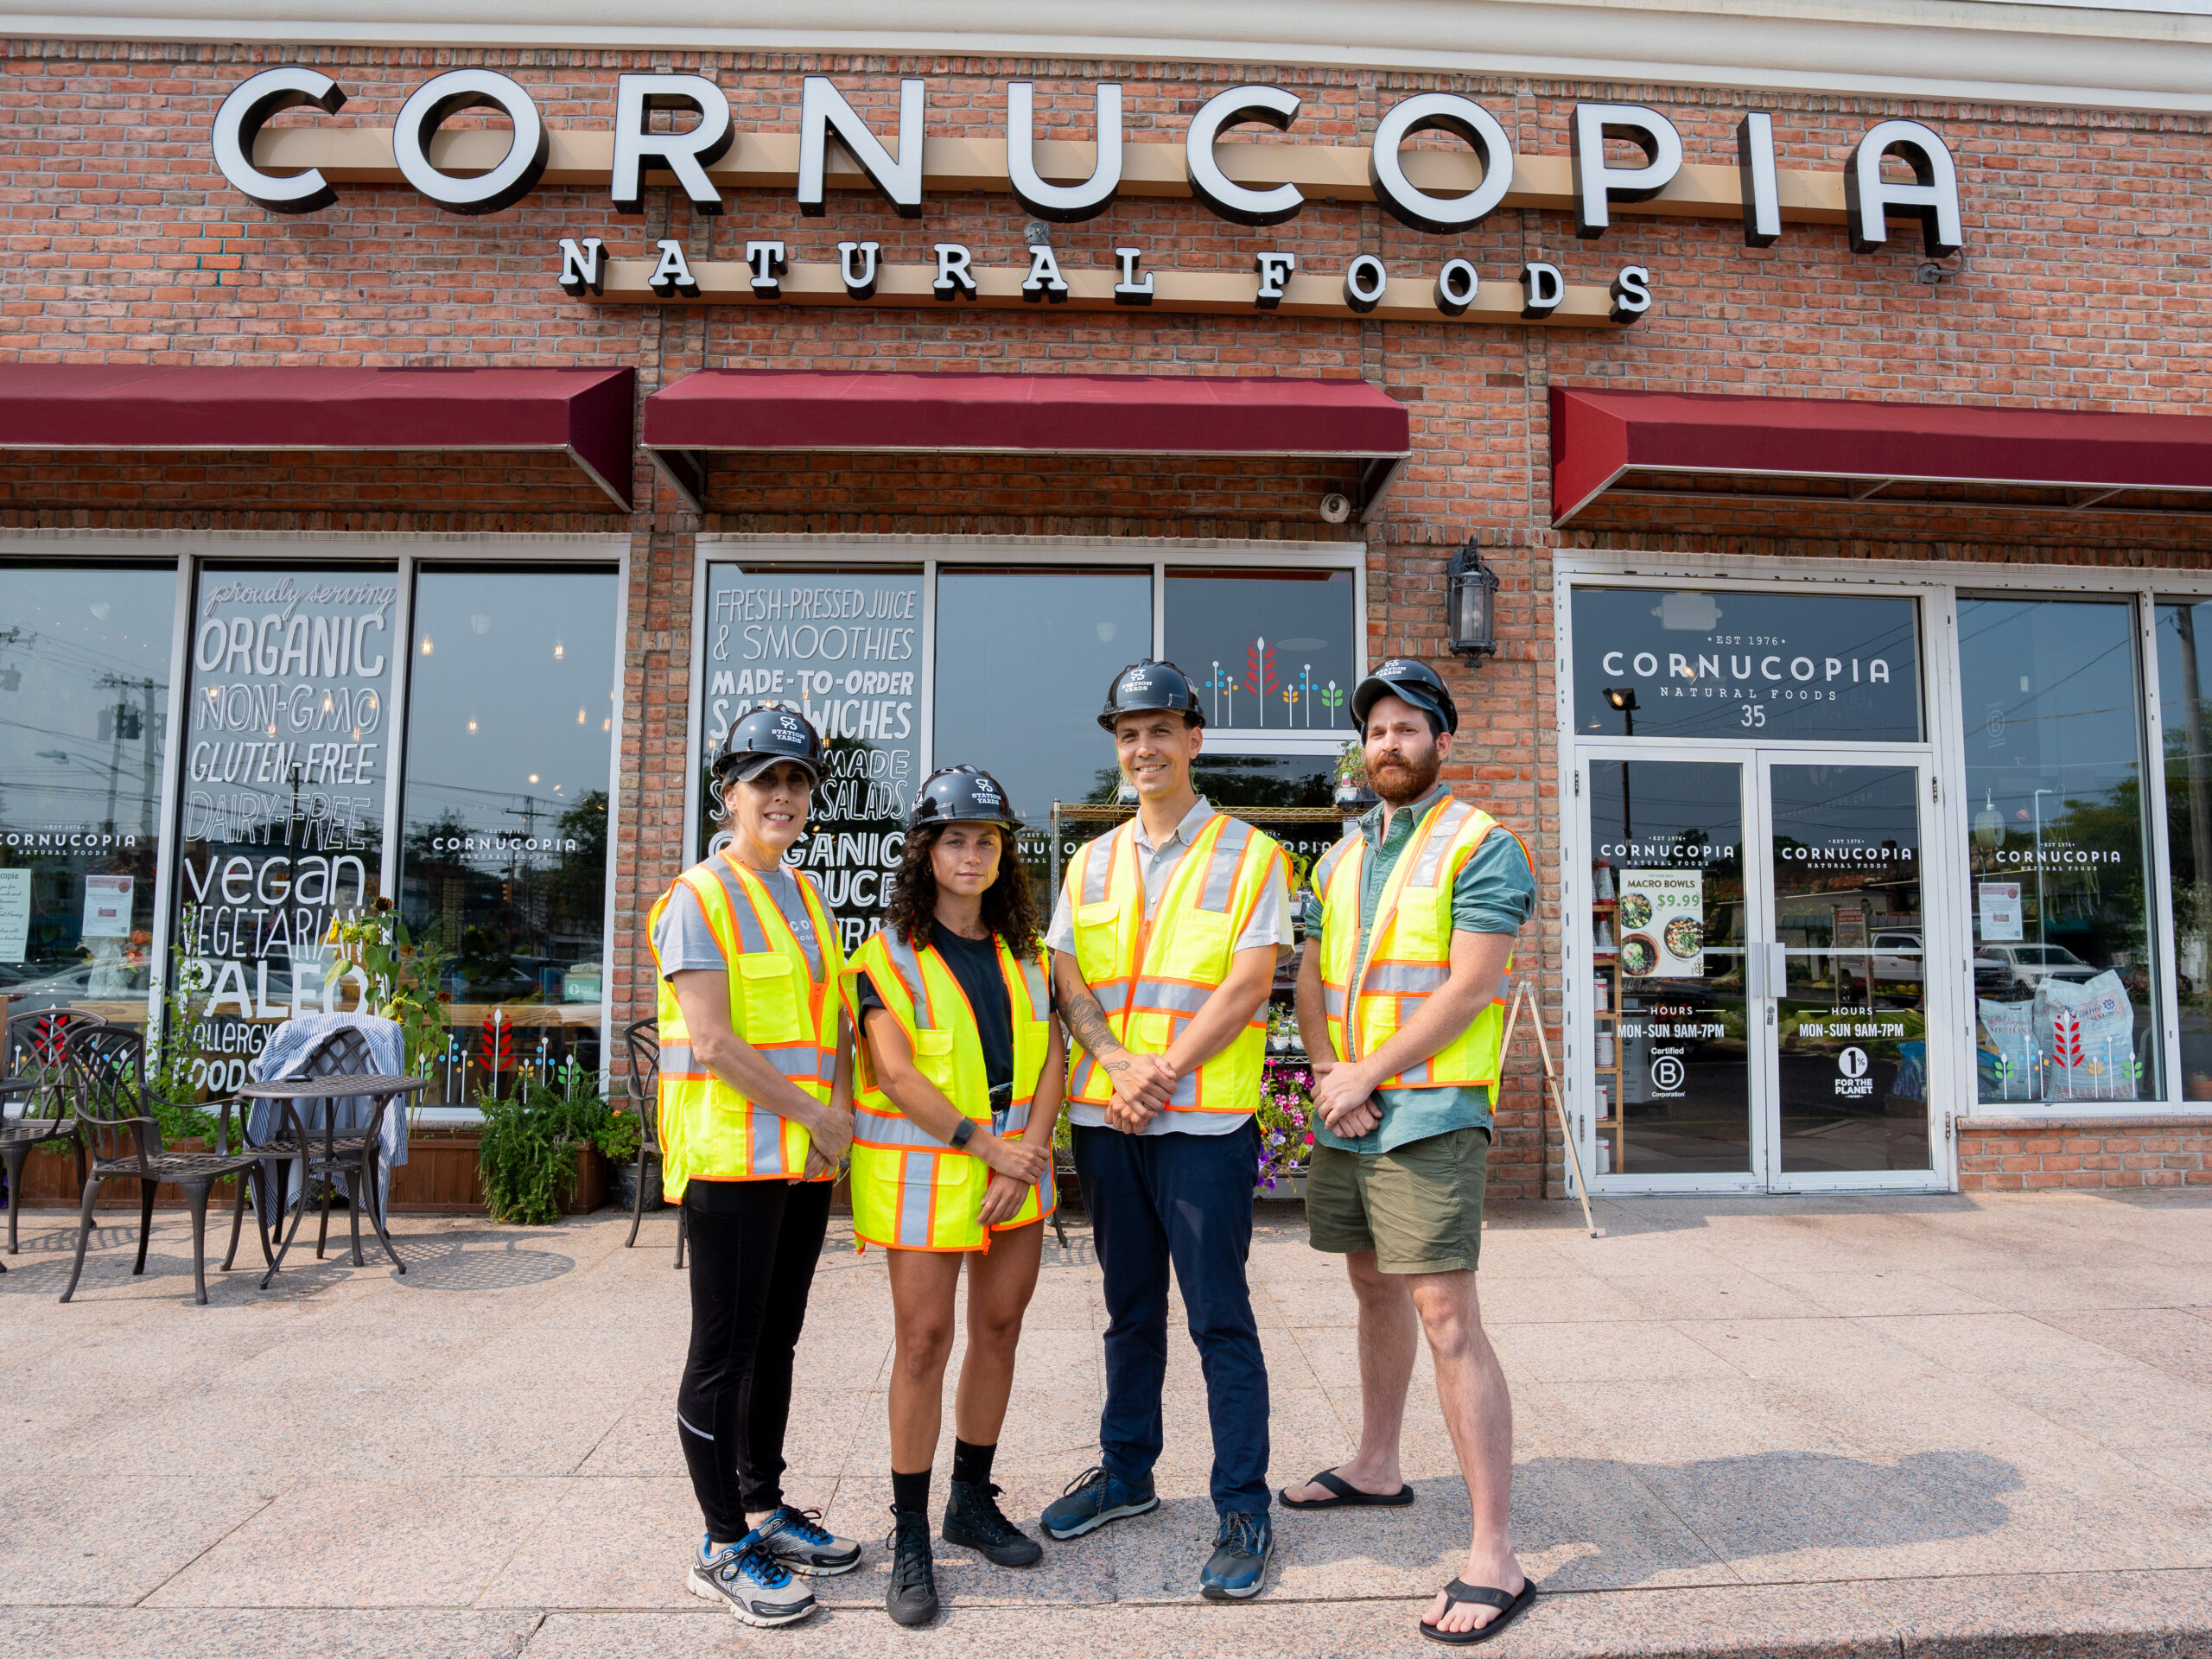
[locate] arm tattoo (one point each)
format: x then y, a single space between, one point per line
1086 1023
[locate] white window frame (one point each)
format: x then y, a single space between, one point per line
1937 584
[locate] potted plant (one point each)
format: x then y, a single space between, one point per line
1286 1118
542 1150
1353 793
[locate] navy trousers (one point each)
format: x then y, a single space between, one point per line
1183 1201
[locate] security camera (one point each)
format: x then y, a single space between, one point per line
1335 508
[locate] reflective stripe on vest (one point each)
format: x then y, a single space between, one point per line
1410 957
910 1190
708 1130
1152 975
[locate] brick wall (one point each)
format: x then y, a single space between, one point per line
2013 1154
2084 286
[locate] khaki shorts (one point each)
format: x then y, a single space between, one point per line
1419 1207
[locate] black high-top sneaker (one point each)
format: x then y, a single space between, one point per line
973 1518
912 1599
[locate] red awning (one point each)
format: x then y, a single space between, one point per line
766 410
583 412
1661 445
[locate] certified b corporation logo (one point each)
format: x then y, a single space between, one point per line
1667 1073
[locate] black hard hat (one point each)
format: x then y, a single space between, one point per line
1414 682
962 795
1148 684
760 737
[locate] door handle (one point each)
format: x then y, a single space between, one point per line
1766 969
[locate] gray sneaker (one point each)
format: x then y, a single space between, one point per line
749 1581
798 1539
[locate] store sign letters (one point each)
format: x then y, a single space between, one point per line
1442 193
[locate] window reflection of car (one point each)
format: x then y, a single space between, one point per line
1897 957
2028 965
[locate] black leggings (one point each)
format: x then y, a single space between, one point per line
753 1247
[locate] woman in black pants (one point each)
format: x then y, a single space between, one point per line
756 1121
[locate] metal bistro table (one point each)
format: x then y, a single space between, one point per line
329 1151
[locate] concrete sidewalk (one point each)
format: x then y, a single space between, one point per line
1948 1425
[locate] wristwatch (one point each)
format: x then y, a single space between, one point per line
965 1134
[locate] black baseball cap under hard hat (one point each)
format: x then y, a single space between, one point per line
961 794
1410 682
761 737
1147 684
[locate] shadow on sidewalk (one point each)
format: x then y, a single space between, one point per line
1630 1519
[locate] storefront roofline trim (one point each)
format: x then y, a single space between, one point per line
2148 55
582 413
765 412
1601 438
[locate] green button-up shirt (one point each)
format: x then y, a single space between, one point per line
1495 893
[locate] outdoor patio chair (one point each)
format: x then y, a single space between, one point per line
324 1150
34 1047
114 1113
643 1039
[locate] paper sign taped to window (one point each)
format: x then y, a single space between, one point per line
1662 917
14 914
107 907
2000 911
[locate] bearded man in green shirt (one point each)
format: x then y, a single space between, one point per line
1395 1185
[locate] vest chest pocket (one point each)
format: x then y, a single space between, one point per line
1201 947
768 999
1097 938
933 1058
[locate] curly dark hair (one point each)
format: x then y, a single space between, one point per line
1009 911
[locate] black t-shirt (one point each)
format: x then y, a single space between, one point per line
974 964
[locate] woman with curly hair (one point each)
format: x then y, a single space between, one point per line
960 1071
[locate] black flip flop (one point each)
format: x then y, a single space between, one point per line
1459 1590
1345 1496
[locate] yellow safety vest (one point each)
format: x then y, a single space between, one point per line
709 1130
1411 956
912 1191
1151 976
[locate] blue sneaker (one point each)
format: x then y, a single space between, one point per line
1242 1549
1093 1498
749 1581
798 1539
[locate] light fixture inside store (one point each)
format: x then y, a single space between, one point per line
533 777
559 651
1470 604
472 727
1989 824
426 644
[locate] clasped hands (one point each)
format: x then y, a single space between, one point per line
1345 1097
1143 1084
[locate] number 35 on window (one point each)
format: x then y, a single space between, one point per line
1754 713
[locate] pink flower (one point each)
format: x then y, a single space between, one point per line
1309 1140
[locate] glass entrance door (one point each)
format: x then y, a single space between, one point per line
1758 947
1840 986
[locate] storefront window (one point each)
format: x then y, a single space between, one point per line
1271 650
2065 964
84 703
1024 660
511 683
288 750
2184 675
845 647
